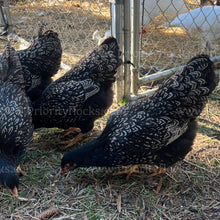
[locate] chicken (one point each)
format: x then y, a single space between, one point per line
156 130
82 95
152 8
15 118
205 20
96 36
168 8
40 62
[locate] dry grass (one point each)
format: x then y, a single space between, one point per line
74 21
190 189
166 47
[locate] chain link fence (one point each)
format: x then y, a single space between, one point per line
75 21
166 45
161 46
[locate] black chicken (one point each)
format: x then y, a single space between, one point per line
15 118
82 95
40 62
157 130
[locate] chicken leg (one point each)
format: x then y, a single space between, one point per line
157 171
132 169
71 142
20 171
69 131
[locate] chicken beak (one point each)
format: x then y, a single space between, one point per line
62 172
67 168
15 192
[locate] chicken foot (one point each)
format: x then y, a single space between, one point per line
71 142
157 171
69 131
129 171
20 171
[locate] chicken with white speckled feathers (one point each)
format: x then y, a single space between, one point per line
82 95
157 130
40 61
16 128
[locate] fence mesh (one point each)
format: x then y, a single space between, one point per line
165 47
162 47
75 21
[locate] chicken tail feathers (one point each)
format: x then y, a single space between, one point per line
187 91
110 47
205 67
45 47
48 33
100 65
10 67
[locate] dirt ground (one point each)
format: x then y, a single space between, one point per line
190 189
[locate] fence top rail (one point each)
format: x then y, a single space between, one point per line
166 73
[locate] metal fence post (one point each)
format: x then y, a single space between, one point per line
118 32
127 49
135 28
8 16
